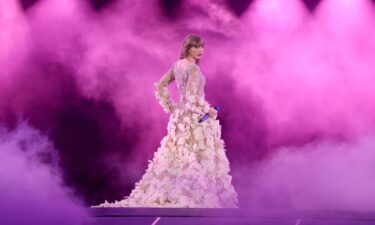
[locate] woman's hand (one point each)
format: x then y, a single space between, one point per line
212 112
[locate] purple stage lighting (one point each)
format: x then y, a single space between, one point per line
170 6
26 4
311 4
238 7
100 4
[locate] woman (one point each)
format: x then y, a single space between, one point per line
190 168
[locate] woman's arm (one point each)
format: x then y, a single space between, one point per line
162 93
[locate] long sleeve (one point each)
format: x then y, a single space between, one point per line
195 102
162 93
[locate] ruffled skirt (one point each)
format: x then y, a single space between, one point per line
189 169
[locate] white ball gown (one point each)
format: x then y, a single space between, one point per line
190 168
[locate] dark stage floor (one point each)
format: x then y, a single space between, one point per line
177 216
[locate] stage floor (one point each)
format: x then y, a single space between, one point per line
178 216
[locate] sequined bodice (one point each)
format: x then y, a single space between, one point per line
180 70
190 84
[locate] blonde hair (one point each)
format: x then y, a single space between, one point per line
191 40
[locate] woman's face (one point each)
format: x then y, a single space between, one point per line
196 52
